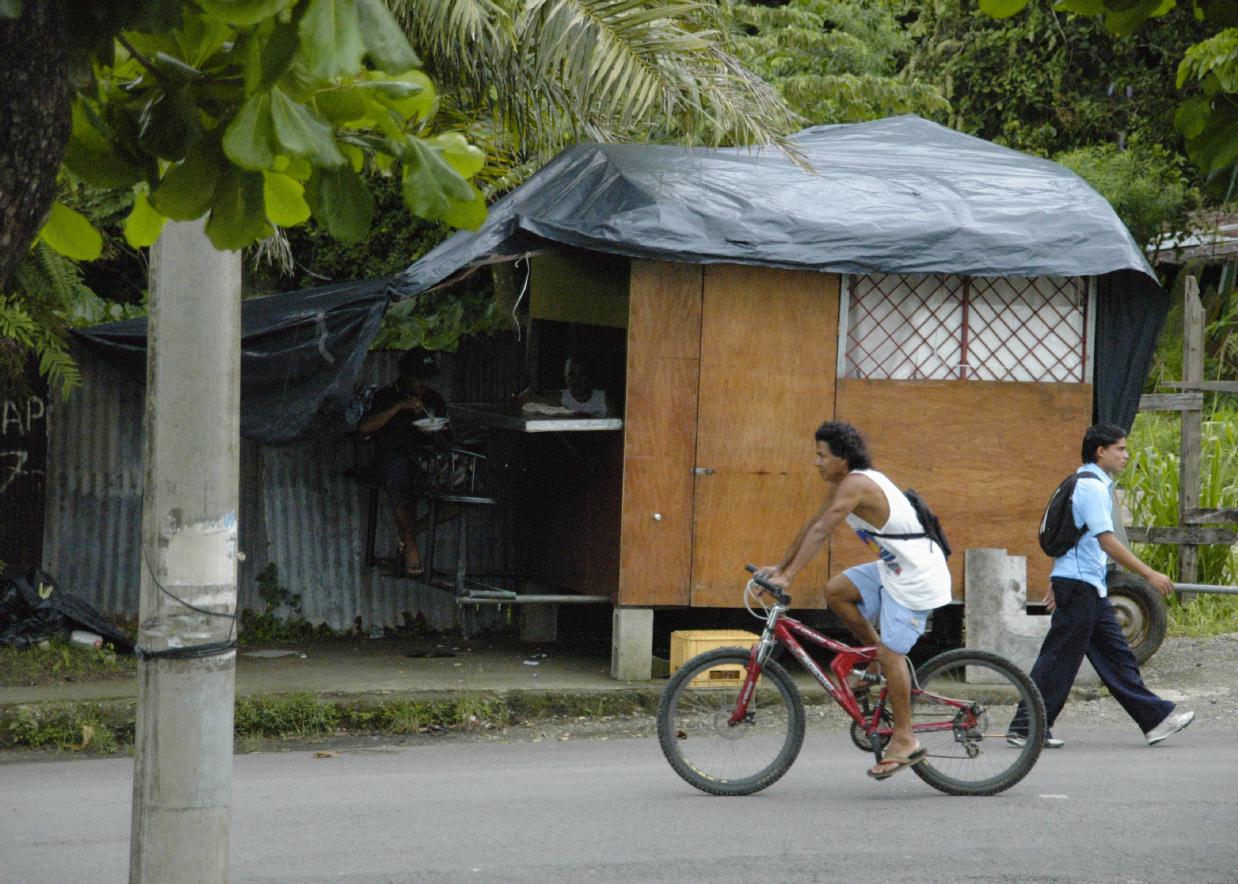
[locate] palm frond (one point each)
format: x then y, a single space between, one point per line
546 73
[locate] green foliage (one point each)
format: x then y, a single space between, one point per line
439 321
1150 481
394 242
1144 184
298 715
1220 303
1151 484
35 317
282 617
72 728
1208 121
529 79
834 61
1045 82
260 113
49 296
59 661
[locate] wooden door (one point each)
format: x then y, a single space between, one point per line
768 359
664 339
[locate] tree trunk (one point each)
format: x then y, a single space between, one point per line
35 121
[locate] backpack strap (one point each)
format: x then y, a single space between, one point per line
897 536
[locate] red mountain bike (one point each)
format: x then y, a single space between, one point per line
731 721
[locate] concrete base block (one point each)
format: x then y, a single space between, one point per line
539 623
995 616
631 644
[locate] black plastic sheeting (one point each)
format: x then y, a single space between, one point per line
301 353
34 608
900 195
1130 311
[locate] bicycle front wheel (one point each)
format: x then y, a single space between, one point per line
961 714
718 757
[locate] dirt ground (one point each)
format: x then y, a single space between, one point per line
1196 673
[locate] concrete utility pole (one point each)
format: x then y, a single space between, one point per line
182 782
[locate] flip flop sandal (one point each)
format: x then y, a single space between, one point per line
899 761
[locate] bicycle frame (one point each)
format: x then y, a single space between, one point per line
781 629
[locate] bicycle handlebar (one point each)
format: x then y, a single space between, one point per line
776 591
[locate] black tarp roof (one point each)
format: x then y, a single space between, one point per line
900 195
301 353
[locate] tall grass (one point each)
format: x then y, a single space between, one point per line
1151 485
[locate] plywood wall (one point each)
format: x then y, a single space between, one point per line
663 375
768 355
985 456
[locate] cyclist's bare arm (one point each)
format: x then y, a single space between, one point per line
846 497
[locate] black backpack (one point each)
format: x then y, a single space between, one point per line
1058 532
928 521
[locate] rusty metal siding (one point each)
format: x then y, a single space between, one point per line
92 526
297 510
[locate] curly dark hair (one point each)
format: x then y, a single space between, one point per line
845 440
1100 436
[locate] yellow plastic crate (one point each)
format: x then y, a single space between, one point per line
687 643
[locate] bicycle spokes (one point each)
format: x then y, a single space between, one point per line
960 715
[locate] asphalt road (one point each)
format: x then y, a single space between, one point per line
1106 808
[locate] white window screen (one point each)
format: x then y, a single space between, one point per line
932 327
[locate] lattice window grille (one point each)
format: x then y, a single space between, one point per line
1028 329
904 326
935 327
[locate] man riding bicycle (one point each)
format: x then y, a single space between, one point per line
898 591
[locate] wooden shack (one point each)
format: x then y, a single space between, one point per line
729 371
971 309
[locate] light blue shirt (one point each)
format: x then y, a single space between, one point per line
1092 506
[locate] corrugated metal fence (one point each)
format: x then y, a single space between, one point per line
298 509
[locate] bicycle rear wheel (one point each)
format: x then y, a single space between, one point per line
961 713
718 757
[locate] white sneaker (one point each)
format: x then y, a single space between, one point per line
1174 722
1049 743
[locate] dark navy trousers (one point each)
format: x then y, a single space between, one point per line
1084 625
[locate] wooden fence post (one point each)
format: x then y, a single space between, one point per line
1192 428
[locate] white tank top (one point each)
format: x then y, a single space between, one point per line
913 571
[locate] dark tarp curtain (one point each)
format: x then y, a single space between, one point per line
1130 311
301 353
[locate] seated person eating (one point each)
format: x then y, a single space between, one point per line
579 397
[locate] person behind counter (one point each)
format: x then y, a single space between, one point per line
580 396
408 421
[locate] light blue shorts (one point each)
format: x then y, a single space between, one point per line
899 626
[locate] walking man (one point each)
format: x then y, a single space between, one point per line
900 589
1083 620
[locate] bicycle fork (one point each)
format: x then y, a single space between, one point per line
756 661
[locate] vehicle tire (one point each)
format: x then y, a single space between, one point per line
713 755
1140 611
966 745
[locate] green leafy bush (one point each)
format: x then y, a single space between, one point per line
299 715
282 618
1151 485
